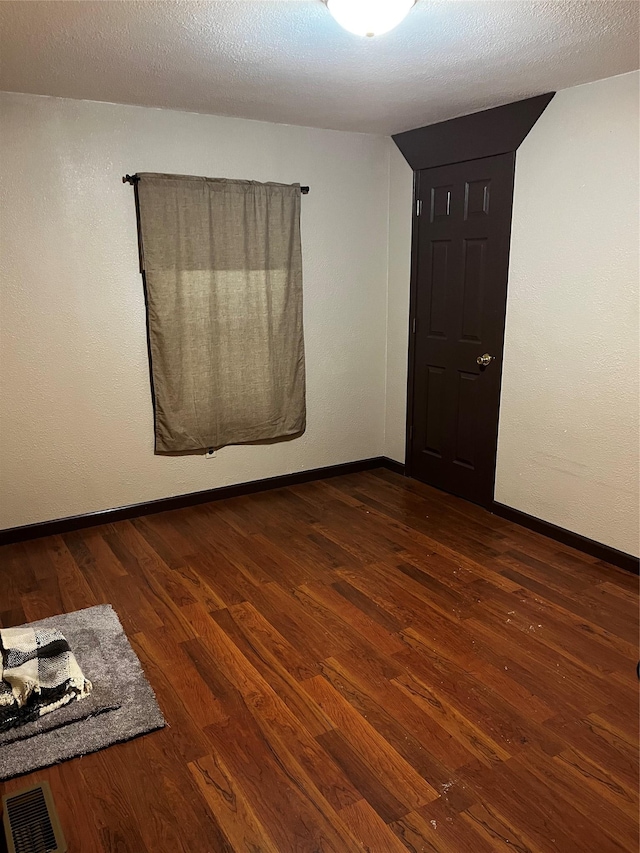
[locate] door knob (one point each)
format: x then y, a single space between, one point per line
484 360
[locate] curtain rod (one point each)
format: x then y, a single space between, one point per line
133 179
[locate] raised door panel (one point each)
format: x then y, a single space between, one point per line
474 257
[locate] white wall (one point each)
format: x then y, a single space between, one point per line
76 426
400 216
568 442
76 431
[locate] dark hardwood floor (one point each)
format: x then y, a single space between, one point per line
361 663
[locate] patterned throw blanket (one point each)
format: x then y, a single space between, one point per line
38 673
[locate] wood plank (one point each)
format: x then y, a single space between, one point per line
224 667
369 829
408 786
273 671
420 833
230 807
535 810
360 663
414 734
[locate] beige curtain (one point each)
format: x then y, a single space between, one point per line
223 271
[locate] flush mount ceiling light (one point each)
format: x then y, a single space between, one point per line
369 17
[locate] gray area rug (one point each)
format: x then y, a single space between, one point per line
121 706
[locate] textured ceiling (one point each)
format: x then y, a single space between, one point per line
289 61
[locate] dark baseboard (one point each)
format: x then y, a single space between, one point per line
392 465
567 537
77 522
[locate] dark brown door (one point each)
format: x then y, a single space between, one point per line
460 267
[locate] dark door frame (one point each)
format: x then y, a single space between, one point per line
496 131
